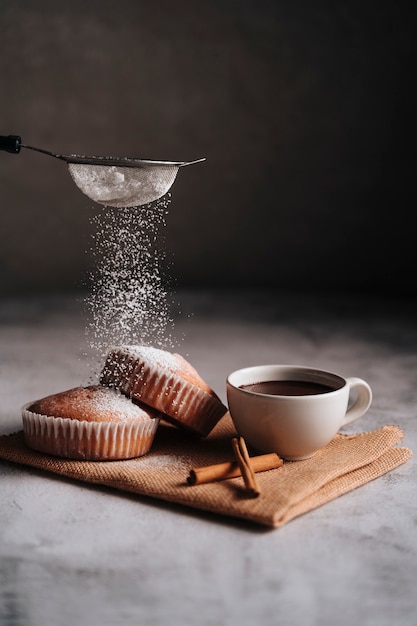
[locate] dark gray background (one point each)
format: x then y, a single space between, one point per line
302 109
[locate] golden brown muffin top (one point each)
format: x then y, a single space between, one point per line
92 404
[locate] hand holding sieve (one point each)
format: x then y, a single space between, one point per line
113 181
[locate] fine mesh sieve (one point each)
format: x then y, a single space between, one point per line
123 186
112 181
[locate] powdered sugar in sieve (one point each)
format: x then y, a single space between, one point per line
120 187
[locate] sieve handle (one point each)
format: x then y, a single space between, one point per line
10 143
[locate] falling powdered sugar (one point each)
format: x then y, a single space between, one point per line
128 301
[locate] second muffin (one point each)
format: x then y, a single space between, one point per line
89 423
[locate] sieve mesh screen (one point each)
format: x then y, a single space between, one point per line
120 187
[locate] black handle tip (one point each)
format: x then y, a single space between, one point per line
10 143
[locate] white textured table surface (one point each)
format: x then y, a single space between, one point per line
73 554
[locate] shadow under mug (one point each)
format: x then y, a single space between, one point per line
293 426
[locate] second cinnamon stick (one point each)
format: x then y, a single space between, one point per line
243 459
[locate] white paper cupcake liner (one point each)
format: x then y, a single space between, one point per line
88 441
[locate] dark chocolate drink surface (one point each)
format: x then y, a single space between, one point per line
288 388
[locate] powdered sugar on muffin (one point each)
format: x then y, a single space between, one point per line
94 403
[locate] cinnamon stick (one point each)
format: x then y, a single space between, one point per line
231 469
242 457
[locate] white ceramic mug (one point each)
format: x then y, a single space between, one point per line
293 426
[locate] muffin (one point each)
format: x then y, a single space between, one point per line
89 423
167 383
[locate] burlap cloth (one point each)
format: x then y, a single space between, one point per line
347 462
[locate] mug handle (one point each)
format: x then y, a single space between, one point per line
363 401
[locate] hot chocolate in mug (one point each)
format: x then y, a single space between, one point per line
293 410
